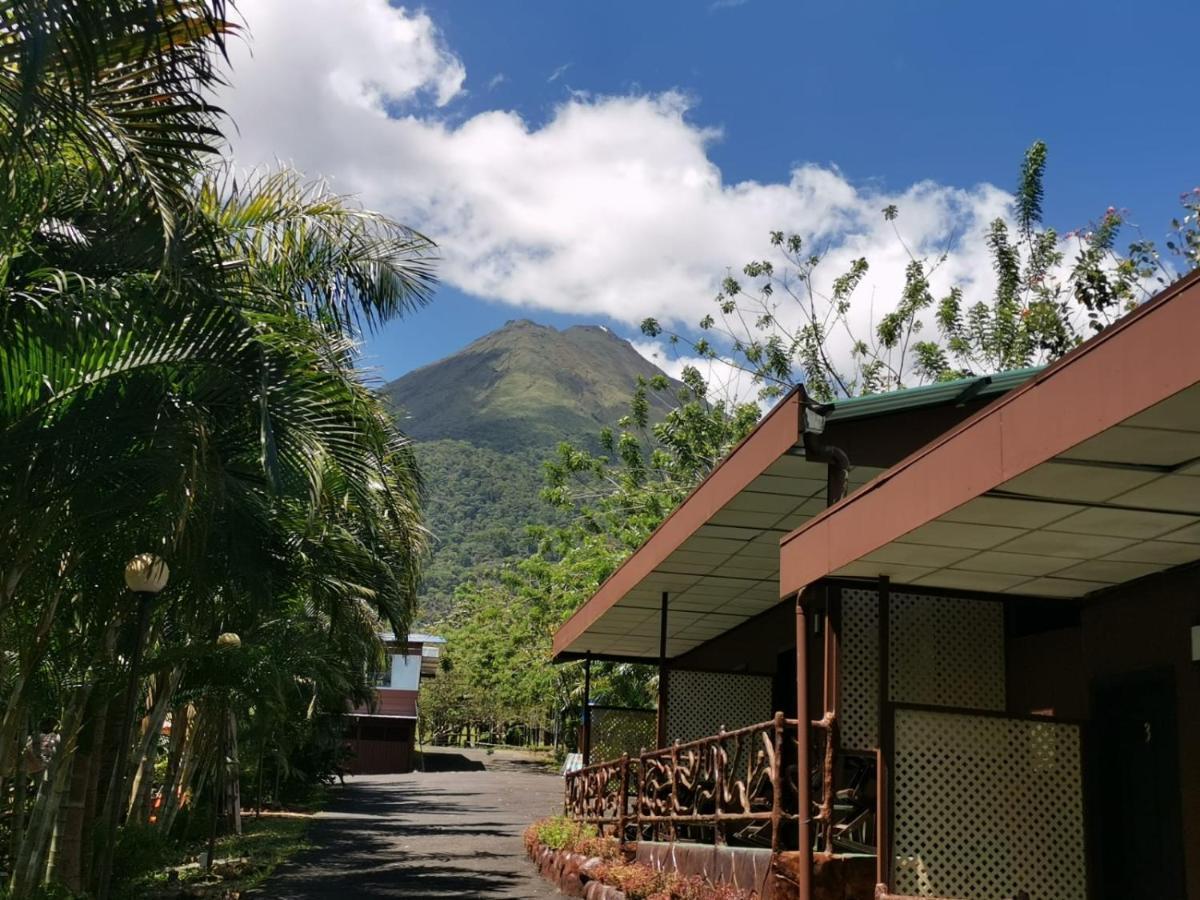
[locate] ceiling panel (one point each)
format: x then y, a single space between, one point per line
1056 587
1111 571
956 534
1143 446
1067 481
1025 564
1010 511
1180 411
1061 543
1129 523
1174 492
971 581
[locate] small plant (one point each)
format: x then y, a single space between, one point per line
563 833
639 881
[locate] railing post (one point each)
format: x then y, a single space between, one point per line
719 781
674 791
621 814
803 774
777 785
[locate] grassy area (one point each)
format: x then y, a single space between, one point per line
242 862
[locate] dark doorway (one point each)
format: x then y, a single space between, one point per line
1135 751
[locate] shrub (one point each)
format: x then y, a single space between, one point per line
563 833
637 881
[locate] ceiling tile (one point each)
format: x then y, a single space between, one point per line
1121 522
1025 564
782 484
1158 552
1009 511
1148 446
751 501
1061 543
1111 571
1057 587
1188 535
924 555
897 572
1066 481
1180 411
744 519
971 581
1175 492
958 534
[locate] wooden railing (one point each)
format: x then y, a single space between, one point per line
734 783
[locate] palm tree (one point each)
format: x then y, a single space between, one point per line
177 375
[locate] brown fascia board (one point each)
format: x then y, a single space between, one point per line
774 436
1147 356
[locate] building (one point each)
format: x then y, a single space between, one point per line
382 735
980 645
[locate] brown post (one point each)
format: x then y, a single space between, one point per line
777 777
719 770
587 708
674 789
663 674
833 598
803 786
624 801
883 757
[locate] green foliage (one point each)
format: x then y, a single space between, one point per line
777 326
478 504
177 377
497 666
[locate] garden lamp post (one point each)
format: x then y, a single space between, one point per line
145 576
227 640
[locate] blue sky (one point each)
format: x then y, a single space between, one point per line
885 95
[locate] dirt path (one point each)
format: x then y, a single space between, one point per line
427 835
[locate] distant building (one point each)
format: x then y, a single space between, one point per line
382 734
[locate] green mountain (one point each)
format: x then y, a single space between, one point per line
487 417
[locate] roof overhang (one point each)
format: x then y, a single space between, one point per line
1085 478
717 554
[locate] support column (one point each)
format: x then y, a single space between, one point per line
663 675
883 756
832 636
587 708
803 777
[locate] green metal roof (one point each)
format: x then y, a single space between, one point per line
931 394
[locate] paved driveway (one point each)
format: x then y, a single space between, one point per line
427 835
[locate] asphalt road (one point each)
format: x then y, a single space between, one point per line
427 835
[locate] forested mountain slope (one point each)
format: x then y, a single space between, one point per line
486 418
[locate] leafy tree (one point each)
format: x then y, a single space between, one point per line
777 324
177 377
608 502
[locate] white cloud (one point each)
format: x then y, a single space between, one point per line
559 72
725 380
611 207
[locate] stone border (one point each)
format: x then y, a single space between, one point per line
571 873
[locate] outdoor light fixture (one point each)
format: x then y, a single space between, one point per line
228 641
146 574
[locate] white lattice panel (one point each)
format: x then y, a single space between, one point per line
858 703
618 731
986 807
699 703
944 651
